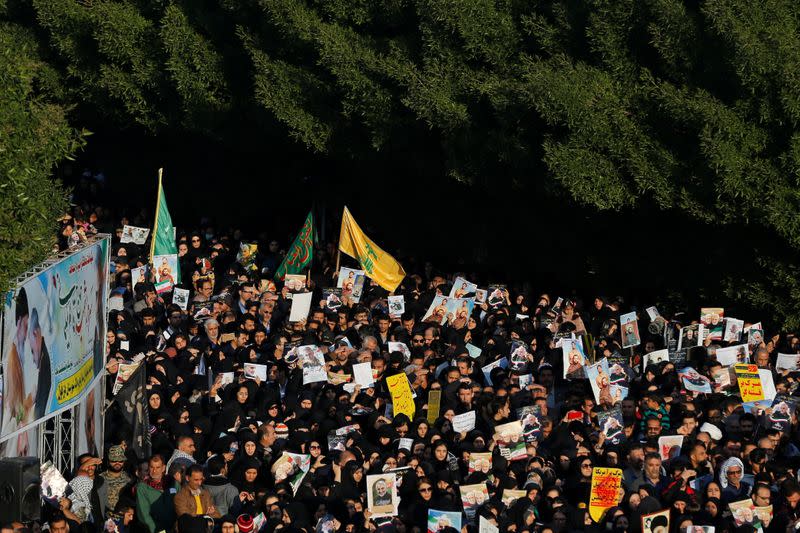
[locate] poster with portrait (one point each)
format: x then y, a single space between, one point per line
133 234
399 347
140 275
311 360
574 358
246 256
291 468
691 336
332 298
480 462
721 379
462 289
509 437
89 419
484 526
733 329
745 512
611 425
655 357
755 336
472 497
731 355
657 522
54 338
382 497
509 496
459 311
358 288
438 310
487 369
165 270
781 413
347 280
124 372
442 520
713 320
53 485
531 418
605 393
520 356
694 381
620 374
180 297
397 305
481 295
294 283
629 326
496 295
669 446
254 370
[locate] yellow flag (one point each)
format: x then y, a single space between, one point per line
402 398
604 492
377 264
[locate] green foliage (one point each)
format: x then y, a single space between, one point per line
34 136
615 104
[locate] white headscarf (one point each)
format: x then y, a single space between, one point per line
723 472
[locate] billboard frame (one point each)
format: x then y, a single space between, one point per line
74 403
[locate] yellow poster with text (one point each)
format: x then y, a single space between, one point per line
402 399
749 382
605 491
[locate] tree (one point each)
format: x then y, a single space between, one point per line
688 107
35 137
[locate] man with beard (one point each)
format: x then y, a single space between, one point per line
115 477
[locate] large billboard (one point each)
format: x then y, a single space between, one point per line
54 332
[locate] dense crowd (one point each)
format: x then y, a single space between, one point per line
218 450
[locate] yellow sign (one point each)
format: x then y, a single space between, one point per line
377 264
605 491
749 382
434 401
402 399
74 385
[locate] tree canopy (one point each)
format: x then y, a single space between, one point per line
684 106
34 136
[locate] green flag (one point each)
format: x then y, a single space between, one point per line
163 238
301 252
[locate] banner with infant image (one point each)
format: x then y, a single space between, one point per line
54 337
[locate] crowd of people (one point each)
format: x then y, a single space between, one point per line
219 447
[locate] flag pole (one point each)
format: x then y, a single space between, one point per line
155 222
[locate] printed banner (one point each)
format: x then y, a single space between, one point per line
604 492
89 419
54 337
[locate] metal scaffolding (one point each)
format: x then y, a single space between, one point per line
57 440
